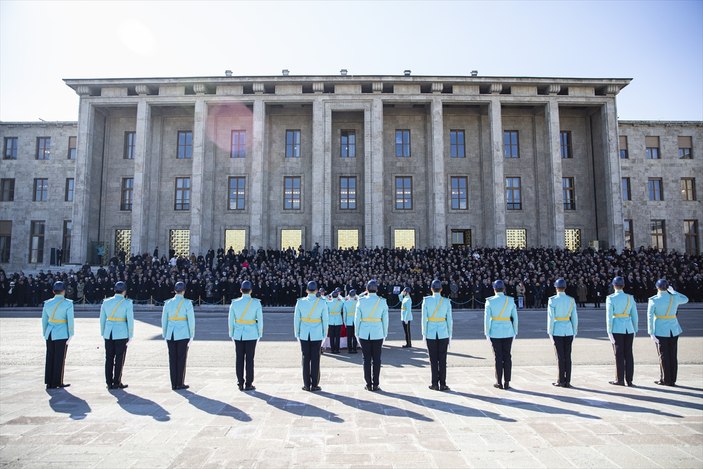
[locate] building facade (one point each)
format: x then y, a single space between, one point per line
349 161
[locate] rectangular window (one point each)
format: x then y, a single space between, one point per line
690 232
7 190
516 238
513 193
565 144
347 193
126 194
402 143
403 193
457 148
129 144
72 148
123 242
685 148
511 144
404 239
43 148
5 240
291 239
237 193
179 241
347 144
292 143
658 230
572 239
36 241
347 239
569 193
66 240
629 236
655 189
41 189
626 189
459 193
238 147
623 148
182 199
9 151
461 238
235 240
291 193
688 189
184 148
651 151
68 193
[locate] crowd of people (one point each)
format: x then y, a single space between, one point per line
279 277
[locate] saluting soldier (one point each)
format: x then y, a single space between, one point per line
562 326
335 306
117 328
437 327
621 325
500 327
664 328
371 326
246 326
310 325
406 314
178 328
349 315
57 328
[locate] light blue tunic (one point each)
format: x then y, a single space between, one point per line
661 314
437 322
178 319
334 308
311 318
500 317
117 318
57 318
349 311
620 313
562 319
245 319
406 308
371 321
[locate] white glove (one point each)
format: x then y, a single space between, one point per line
128 341
612 339
190 341
654 338
230 338
551 338
671 290
515 337
488 338
69 340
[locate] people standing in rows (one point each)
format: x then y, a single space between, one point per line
371 325
437 324
349 315
310 326
178 329
117 329
57 329
621 326
500 328
406 314
562 326
246 327
664 329
335 305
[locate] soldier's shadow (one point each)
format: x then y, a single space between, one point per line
66 403
301 409
448 407
652 399
533 407
140 406
215 407
375 407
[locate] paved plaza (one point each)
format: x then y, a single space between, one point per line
405 425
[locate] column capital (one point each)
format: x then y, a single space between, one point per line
612 90
496 88
83 90
142 90
199 88
318 87
377 86
554 89
437 87
258 88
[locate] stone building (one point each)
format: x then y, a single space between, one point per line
346 161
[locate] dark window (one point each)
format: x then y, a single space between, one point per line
688 189
461 238
511 144
347 144
565 144
5 240
66 242
127 193
238 148
690 231
403 193
513 193
402 143
72 148
569 193
185 145
658 228
459 193
291 193
10 148
292 143
43 148
68 194
623 148
655 188
237 193
36 241
456 144
629 239
347 193
41 189
685 148
182 200
7 190
626 189
129 143
652 148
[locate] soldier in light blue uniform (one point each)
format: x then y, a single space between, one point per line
117 328
664 328
178 328
406 314
621 325
562 326
500 327
437 327
310 325
371 325
57 329
335 305
349 315
246 326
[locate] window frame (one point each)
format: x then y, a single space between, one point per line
403 149
43 148
623 153
72 150
405 202
182 203
569 190
184 150
130 143
456 149
238 151
691 237
569 145
348 150
626 188
69 189
14 148
126 194
289 194
509 146
513 190
239 190
688 194
346 197
41 238
10 189
655 187
458 198
40 193
658 236
293 149
628 229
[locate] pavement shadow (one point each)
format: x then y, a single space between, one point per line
301 409
64 402
140 406
448 407
465 355
653 399
215 407
375 407
531 406
675 390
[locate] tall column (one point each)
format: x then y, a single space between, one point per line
438 222
555 209
498 179
321 195
256 186
327 240
142 179
373 180
81 196
613 202
197 228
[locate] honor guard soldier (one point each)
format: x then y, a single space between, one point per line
246 326
371 326
663 326
335 306
349 315
310 324
562 326
500 327
117 328
178 328
621 325
437 327
406 314
57 328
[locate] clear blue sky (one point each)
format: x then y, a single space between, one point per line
658 44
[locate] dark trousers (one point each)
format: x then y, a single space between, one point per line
55 361
562 347
177 354
406 330
504 361
437 349
668 363
624 361
335 334
311 362
371 349
115 353
351 339
244 351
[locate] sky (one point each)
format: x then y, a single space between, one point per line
657 44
